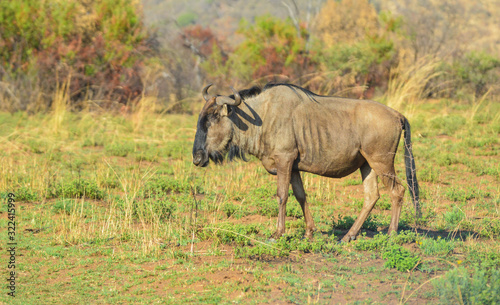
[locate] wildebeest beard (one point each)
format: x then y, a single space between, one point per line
233 152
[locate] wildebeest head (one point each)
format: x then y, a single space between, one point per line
215 130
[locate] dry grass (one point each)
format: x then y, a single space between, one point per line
407 84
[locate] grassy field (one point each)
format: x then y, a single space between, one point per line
110 209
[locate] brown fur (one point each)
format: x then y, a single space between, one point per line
291 130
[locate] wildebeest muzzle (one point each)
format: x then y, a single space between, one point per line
200 158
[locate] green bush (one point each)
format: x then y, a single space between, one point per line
454 217
480 285
382 241
163 185
27 194
448 124
77 188
119 149
150 209
346 222
68 206
400 258
95 45
439 246
233 210
272 46
234 233
286 244
477 70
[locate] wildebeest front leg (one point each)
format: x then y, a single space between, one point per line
300 194
371 196
284 172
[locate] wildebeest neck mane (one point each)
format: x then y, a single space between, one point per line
235 152
255 90
247 93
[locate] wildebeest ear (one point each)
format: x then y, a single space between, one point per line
223 110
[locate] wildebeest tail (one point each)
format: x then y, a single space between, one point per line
411 172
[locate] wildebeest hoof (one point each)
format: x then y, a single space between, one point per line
271 241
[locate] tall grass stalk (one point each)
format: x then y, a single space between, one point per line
60 104
75 226
407 83
476 105
144 108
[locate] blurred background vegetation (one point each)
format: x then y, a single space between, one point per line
110 54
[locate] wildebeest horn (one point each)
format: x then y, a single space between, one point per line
206 96
229 101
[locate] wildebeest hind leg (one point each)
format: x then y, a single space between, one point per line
300 194
396 191
371 196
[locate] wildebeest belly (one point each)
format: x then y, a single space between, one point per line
328 144
329 165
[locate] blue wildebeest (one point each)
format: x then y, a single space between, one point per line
291 129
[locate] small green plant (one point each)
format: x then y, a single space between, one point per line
232 233
294 210
119 149
154 208
445 159
454 217
438 247
348 182
268 207
26 194
68 206
429 174
286 244
400 258
448 124
390 246
234 210
146 156
346 222
490 227
164 185
78 188
462 195
384 203
382 241
229 209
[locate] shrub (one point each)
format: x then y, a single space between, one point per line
477 71
272 47
439 246
77 188
94 45
162 185
286 244
454 217
68 206
346 222
235 233
400 258
481 285
119 149
153 209
26 194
